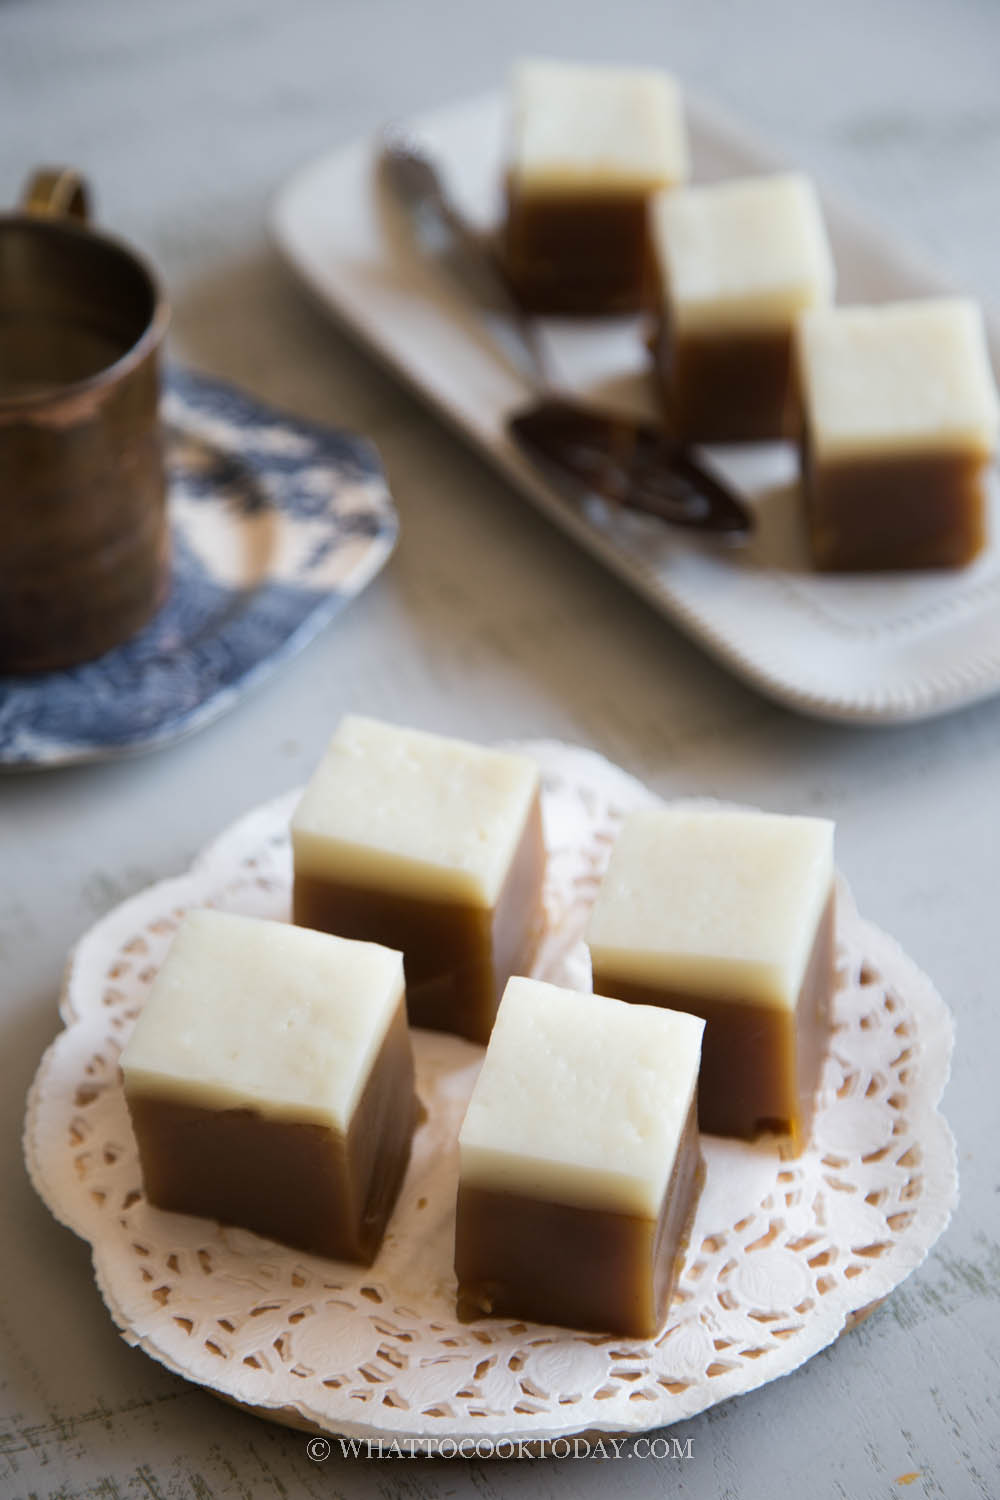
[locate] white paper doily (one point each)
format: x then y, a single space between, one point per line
784 1253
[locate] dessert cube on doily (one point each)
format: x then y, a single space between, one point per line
269 1079
580 1162
429 845
728 915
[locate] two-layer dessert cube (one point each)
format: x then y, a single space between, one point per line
430 845
736 264
901 420
728 915
269 1079
589 146
580 1162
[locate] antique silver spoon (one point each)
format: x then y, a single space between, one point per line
628 461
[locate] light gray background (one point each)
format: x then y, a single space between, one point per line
188 115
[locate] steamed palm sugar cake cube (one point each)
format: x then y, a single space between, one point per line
901 418
589 146
736 263
430 845
269 1079
728 915
580 1165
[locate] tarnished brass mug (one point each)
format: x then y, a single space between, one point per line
84 542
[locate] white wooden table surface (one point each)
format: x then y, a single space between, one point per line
487 623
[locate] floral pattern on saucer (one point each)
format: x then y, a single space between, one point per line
277 523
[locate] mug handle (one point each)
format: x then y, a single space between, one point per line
56 193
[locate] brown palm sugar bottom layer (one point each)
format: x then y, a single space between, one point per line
760 1064
925 511
731 388
576 253
522 1257
457 957
303 1184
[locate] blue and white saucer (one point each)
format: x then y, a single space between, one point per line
277 524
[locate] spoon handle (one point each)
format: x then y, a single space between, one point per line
446 236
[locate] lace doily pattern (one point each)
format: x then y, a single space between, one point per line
783 1255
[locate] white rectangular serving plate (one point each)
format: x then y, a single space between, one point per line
865 649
